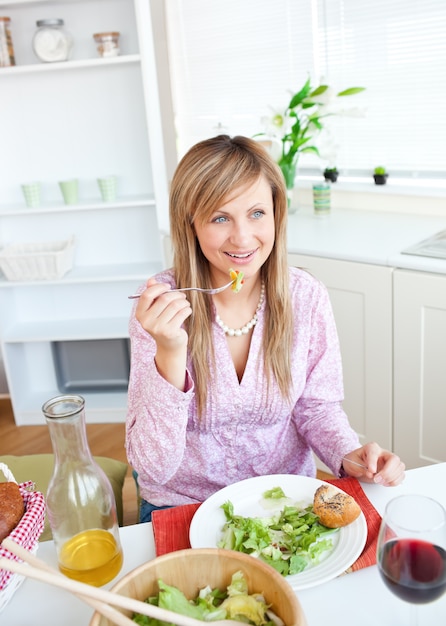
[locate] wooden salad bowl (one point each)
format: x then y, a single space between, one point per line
192 569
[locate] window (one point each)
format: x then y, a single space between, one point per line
234 61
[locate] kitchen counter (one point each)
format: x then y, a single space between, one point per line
365 237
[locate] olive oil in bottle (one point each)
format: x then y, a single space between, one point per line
80 501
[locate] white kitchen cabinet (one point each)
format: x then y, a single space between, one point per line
84 118
420 367
361 296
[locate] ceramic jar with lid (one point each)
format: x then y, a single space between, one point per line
107 44
51 42
6 48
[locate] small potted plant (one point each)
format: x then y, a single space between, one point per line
380 175
331 174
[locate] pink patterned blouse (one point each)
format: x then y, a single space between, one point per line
180 459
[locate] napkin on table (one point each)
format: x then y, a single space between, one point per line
171 526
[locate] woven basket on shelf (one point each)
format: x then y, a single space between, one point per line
37 261
26 534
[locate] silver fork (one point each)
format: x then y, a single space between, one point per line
211 291
355 463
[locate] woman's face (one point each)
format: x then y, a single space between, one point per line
240 233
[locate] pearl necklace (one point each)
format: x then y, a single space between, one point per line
232 332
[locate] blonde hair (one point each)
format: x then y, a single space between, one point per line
205 176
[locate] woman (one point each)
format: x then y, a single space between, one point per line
212 402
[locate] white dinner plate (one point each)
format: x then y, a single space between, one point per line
246 495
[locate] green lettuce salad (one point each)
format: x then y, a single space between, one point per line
213 604
289 540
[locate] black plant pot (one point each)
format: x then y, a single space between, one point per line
331 176
380 179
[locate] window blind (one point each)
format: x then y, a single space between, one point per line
233 62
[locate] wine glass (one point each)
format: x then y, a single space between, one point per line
411 550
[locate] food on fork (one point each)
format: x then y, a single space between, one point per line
12 508
335 508
237 280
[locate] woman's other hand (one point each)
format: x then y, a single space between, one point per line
383 467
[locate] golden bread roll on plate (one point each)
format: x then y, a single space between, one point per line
335 508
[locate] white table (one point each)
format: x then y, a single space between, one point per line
357 598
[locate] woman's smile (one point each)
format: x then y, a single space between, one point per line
241 258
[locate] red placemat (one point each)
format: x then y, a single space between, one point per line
353 487
171 526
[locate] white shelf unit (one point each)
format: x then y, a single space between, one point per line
71 64
84 118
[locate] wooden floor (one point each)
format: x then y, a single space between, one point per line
104 439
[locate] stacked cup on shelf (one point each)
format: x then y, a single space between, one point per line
70 190
108 188
31 192
322 198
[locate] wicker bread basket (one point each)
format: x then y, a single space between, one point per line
26 533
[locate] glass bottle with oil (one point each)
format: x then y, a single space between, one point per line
80 502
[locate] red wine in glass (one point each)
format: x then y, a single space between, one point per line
414 570
411 551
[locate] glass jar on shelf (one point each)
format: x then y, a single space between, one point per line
51 42
107 44
80 502
6 47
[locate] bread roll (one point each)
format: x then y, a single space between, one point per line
335 508
12 508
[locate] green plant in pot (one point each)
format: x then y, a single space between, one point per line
296 128
331 174
380 175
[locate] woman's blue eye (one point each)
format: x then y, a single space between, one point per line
258 214
220 219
